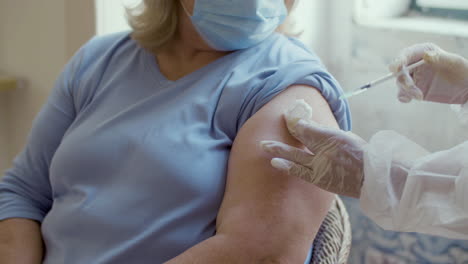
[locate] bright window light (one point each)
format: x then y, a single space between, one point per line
110 15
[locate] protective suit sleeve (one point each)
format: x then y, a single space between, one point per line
408 189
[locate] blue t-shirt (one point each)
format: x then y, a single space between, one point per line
125 166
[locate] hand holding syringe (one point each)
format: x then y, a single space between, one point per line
381 80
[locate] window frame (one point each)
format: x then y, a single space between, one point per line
440 8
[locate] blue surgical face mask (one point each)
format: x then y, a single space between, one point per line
237 24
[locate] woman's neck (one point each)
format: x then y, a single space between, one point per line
180 57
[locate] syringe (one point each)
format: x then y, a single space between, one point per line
387 77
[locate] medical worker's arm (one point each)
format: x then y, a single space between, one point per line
433 199
25 192
266 217
401 186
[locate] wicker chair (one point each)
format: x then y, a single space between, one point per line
333 240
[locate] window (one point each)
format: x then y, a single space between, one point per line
445 4
423 16
456 9
110 15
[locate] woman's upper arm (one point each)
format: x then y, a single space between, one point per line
274 215
25 190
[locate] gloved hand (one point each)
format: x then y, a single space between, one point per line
334 161
443 78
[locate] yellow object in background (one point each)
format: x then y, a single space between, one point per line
7 83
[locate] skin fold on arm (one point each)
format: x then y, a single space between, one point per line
266 216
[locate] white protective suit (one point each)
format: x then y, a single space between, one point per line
429 196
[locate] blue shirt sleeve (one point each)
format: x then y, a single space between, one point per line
300 67
25 190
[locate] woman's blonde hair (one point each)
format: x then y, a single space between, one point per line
154 22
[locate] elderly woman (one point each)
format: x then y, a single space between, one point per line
143 152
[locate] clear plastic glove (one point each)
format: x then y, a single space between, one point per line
443 78
333 161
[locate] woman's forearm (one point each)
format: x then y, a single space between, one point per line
213 250
227 250
20 242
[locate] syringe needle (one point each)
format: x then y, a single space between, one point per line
353 93
380 80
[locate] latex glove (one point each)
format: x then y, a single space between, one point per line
443 78
333 161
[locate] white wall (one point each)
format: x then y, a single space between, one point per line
311 17
37 38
